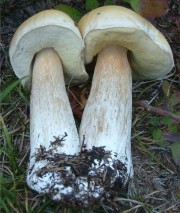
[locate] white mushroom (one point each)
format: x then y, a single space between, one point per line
127 46
49 46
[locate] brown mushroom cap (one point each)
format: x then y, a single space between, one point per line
149 54
49 28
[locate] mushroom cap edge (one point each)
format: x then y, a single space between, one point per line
149 52
48 29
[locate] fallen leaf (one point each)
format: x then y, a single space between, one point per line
84 96
175 149
150 8
174 98
166 88
172 137
78 98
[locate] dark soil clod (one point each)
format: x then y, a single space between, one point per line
85 179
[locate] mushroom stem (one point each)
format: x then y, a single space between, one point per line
106 120
52 127
51 114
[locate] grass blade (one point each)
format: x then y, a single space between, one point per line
10 149
8 89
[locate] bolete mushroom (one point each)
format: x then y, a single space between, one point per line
128 46
49 46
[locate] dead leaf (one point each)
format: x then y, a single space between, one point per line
150 8
175 149
78 98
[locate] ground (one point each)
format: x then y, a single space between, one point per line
156 182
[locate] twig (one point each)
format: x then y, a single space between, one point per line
157 111
133 208
119 199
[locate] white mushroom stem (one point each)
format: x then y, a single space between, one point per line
107 116
51 119
51 114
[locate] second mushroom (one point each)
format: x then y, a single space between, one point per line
128 46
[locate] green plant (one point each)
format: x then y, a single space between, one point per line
148 9
2 1
76 14
8 89
165 130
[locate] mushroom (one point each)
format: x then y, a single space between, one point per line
49 46
127 46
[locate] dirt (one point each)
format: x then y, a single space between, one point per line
88 178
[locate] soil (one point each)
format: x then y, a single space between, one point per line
88 178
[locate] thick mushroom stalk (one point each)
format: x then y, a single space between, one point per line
52 127
48 46
106 120
121 39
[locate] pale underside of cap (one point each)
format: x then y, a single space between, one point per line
149 54
48 29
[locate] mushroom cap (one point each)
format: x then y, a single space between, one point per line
149 54
49 28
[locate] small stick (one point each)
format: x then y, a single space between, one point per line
157 111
